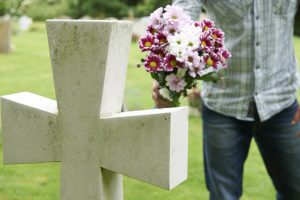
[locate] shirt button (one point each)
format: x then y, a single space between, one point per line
255 93
257 17
257 67
257 43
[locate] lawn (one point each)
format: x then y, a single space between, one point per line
28 69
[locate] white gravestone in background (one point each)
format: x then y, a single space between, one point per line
84 129
5 34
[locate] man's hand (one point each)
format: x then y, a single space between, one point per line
296 118
159 101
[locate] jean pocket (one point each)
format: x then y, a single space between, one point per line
286 115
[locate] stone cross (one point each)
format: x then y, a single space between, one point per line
84 129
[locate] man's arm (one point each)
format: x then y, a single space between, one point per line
190 7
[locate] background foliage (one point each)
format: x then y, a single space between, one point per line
114 8
2 8
41 10
14 8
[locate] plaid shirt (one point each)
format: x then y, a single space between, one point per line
263 68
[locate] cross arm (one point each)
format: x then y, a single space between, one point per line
151 145
29 128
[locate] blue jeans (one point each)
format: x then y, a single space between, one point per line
226 145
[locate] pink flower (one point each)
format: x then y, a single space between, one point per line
218 45
156 20
175 13
217 34
170 63
212 60
153 63
207 24
223 56
161 38
195 70
197 24
146 43
226 54
151 30
192 57
170 28
159 52
205 42
174 83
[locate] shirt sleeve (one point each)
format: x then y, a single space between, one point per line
190 7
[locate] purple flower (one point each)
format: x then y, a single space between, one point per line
206 42
226 54
212 60
146 43
197 24
150 30
217 34
161 38
223 56
218 45
207 24
174 83
153 63
170 63
159 52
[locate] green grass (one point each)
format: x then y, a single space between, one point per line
28 69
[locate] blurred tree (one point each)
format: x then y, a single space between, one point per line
3 8
132 2
99 8
50 9
114 8
145 7
14 8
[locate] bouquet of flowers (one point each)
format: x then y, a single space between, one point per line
182 51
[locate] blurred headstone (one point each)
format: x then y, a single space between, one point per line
25 22
140 26
5 34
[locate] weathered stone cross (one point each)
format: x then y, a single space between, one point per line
85 130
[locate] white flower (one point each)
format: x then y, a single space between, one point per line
178 45
177 50
192 35
165 93
188 38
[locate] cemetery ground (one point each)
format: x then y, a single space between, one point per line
28 69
